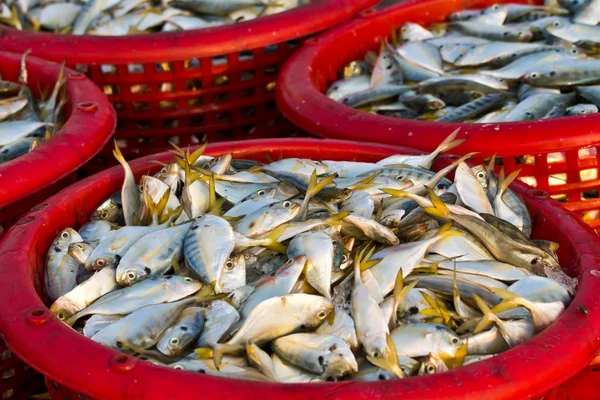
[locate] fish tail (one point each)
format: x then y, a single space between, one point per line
491 164
505 182
195 156
314 187
212 193
271 242
488 316
365 183
510 301
439 208
449 143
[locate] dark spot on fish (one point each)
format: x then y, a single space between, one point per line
183 328
193 228
147 270
534 261
201 371
57 249
321 360
117 259
332 348
252 224
439 328
552 73
389 66
169 277
119 344
413 310
207 226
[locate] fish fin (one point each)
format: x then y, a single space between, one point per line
331 316
389 360
119 156
399 293
176 266
396 192
233 219
222 349
457 360
491 165
511 300
366 181
505 182
212 194
450 142
336 218
488 316
271 240
217 207
195 156
439 208
444 228
314 187
203 353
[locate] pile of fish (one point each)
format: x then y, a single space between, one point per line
118 18
305 271
25 121
505 63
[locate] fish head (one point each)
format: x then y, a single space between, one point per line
433 364
376 347
127 275
64 308
101 261
80 251
284 209
265 193
183 284
234 273
481 176
338 361
66 237
317 310
108 211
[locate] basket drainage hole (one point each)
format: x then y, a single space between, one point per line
540 194
121 359
8 394
87 106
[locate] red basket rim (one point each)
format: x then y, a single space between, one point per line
90 124
300 99
170 46
56 350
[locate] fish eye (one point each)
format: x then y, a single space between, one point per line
552 73
261 192
375 354
287 204
290 261
455 340
556 23
229 265
322 314
188 280
131 275
334 242
344 259
495 7
174 341
104 214
481 175
61 316
534 261
533 75
381 377
399 177
505 34
430 369
574 51
100 263
178 367
345 100
142 187
65 235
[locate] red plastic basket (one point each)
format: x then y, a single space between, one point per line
553 147
35 176
166 86
76 366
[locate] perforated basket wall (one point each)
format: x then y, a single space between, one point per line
210 84
559 156
33 177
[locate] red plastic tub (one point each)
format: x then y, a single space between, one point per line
76 366
35 176
169 87
543 148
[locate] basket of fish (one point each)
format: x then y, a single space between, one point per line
519 80
182 71
298 267
52 121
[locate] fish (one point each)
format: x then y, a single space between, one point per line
382 270
61 268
